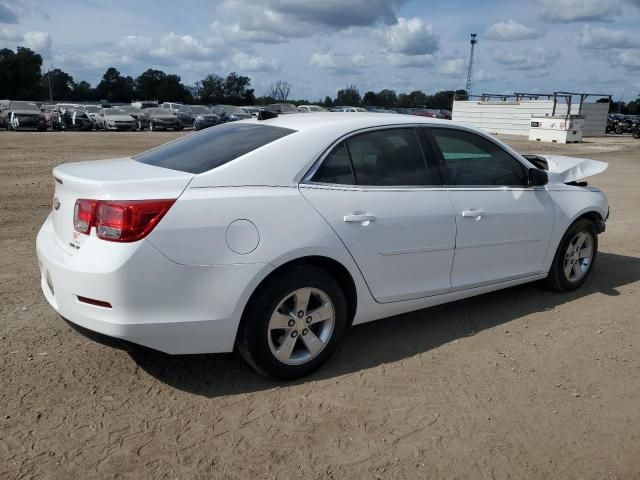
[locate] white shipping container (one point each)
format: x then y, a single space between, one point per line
514 117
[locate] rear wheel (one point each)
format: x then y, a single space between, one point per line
636 133
293 324
574 258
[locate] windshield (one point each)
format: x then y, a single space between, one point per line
212 147
200 109
115 111
91 109
24 106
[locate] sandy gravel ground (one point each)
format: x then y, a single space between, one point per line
522 383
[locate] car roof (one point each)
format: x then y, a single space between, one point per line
347 123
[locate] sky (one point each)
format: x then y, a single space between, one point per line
320 46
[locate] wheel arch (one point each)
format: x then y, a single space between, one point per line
330 265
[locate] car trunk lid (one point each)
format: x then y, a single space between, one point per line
118 179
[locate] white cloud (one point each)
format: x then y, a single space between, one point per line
417 61
483 76
253 63
411 37
535 59
565 11
511 30
455 67
630 59
276 21
40 42
327 59
604 38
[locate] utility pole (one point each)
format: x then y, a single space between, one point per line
49 81
474 40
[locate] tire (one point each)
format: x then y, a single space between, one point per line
636 133
139 126
559 279
619 130
258 343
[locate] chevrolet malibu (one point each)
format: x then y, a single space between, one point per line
276 235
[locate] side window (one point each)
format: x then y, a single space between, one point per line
387 158
335 168
470 159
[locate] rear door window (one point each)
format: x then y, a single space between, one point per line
212 147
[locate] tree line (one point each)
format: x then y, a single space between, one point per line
22 78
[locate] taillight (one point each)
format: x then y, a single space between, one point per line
84 214
119 221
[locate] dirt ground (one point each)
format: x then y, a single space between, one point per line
522 383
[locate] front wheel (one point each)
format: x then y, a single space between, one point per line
293 323
574 258
636 133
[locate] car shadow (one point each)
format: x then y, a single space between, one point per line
372 344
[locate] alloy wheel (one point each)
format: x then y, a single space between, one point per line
301 326
578 256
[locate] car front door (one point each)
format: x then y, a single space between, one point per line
376 192
503 225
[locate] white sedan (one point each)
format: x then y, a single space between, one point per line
276 235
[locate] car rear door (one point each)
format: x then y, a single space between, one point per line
375 190
503 225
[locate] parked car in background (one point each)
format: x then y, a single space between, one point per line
47 110
171 106
145 104
229 113
92 110
253 111
282 108
349 109
311 108
115 119
141 118
198 116
333 222
447 114
70 117
21 115
162 119
428 112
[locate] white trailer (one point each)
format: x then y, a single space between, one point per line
512 114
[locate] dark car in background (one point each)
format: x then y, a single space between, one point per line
282 108
197 116
141 118
70 117
229 113
22 115
162 119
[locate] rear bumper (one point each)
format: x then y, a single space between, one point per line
155 302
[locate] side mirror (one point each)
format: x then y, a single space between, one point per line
537 177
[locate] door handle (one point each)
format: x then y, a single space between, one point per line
359 218
473 213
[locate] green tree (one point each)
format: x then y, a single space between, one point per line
172 90
60 87
83 92
148 84
20 74
369 98
114 87
349 96
387 98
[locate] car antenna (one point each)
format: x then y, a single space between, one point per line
266 115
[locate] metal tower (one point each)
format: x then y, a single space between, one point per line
474 40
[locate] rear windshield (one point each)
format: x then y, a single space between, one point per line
212 147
